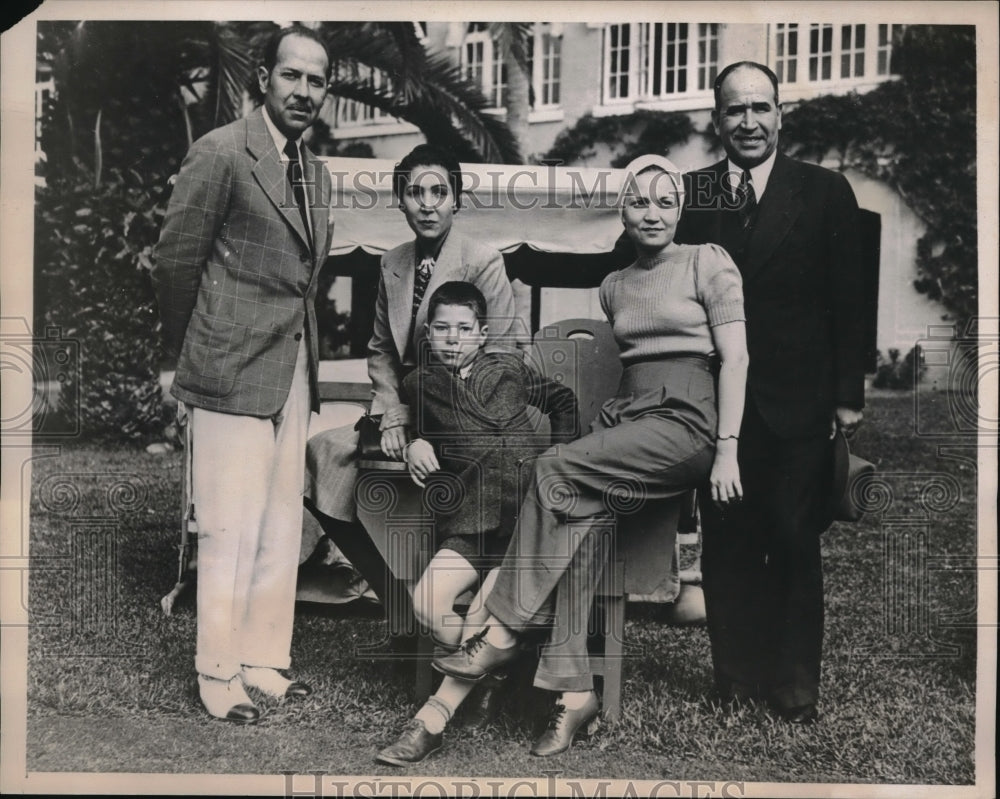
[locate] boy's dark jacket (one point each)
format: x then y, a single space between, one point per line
484 438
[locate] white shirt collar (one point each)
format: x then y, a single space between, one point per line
466 370
759 174
280 138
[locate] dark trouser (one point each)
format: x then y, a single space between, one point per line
357 546
762 570
646 446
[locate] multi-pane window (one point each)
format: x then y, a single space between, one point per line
884 47
852 51
474 61
805 53
619 50
477 56
666 46
550 64
655 60
483 63
786 48
498 68
708 55
820 52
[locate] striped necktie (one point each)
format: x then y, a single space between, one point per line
748 208
297 181
420 280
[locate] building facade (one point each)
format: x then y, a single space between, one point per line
606 69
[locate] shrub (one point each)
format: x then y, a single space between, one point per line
896 374
92 281
628 136
917 134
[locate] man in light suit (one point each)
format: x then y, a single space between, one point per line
245 234
427 183
792 229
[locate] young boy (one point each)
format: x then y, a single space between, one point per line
472 437
427 184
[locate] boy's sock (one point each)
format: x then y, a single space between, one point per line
453 691
435 714
574 700
500 636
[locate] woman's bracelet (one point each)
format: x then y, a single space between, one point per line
727 438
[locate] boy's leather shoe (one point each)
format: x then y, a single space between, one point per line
412 746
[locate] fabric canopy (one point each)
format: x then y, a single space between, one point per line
550 209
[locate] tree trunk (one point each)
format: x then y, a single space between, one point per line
518 83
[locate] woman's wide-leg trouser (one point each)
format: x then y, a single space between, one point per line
654 441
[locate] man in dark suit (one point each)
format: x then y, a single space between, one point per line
245 234
792 229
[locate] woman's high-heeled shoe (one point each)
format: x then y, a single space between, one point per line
475 658
564 724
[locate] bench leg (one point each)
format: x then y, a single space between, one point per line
614 636
424 677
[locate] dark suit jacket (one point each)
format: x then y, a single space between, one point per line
234 274
802 285
460 258
484 438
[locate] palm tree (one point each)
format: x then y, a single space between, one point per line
427 90
131 93
513 40
130 98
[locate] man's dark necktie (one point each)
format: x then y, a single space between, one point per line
296 178
748 208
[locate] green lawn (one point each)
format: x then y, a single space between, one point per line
111 685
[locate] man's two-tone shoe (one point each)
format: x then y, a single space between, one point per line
273 683
227 699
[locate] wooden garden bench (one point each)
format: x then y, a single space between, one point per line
582 354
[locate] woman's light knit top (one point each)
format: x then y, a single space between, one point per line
667 305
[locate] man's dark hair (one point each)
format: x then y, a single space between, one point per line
717 86
457 292
427 155
270 55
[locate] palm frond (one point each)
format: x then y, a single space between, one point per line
409 50
233 70
441 97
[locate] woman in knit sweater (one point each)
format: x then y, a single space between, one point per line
677 315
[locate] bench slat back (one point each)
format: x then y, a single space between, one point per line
581 354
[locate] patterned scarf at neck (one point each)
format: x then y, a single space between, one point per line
421 278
